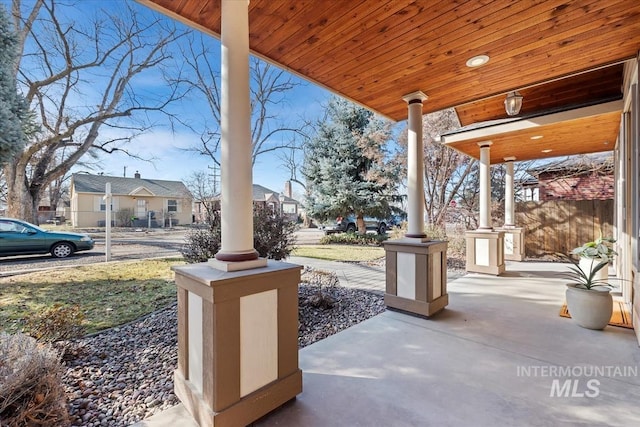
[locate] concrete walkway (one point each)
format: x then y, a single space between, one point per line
498 355
351 275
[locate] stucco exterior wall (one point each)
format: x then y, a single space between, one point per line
87 212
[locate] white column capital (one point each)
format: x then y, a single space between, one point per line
485 144
415 96
509 159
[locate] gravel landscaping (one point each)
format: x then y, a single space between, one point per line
124 375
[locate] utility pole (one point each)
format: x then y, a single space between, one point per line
107 203
214 175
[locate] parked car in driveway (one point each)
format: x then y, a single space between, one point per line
348 224
22 238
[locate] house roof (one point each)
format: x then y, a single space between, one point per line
590 162
85 183
261 194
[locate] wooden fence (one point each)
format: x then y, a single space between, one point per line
558 226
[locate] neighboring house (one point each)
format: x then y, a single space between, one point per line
265 198
577 178
277 202
136 201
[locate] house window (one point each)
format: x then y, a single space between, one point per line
103 206
172 205
288 208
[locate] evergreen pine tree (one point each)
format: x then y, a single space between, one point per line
12 105
347 166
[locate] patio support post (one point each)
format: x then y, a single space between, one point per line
235 123
416 279
513 236
485 186
509 195
415 166
237 324
485 247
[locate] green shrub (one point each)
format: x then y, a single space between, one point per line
31 390
272 237
203 243
272 234
123 217
353 239
57 323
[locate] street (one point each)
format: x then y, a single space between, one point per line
125 245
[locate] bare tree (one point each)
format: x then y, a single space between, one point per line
269 86
291 159
81 78
203 188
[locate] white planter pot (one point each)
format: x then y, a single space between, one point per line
587 264
590 309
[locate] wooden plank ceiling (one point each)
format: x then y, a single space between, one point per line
559 134
375 51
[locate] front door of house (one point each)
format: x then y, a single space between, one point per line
141 209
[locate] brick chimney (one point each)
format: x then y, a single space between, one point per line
137 175
287 189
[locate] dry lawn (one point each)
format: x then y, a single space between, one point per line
340 252
108 294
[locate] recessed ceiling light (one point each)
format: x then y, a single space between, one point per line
537 137
548 150
477 61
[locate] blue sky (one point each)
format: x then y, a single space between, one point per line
170 158
166 149
173 161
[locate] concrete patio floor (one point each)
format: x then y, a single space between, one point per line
484 361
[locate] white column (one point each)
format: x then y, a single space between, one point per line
509 195
485 186
235 122
415 166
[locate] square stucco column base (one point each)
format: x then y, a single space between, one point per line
237 342
485 252
513 243
416 279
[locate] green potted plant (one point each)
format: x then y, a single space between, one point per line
593 253
589 301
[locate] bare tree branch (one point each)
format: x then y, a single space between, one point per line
81 78
269 88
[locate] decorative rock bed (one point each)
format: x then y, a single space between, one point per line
124 375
